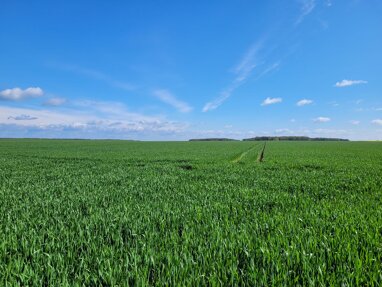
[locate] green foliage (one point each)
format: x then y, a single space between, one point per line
107 213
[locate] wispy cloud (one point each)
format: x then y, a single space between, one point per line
377 122
331 132
224 95
359 110
55 102
248 63
321 120
95 119
103 107
168 98
304 102
242 71
22 118
112 111
271 101
269 69
306 7
355 122
96 75
347 83
334 104
17 94
283 131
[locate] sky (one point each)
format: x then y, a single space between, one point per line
175 70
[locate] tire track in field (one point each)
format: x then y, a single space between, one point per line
243 154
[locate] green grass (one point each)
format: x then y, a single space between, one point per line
190 213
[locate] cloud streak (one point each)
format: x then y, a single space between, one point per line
248 63
271 101
306 7
242 71
17 94
348 83
168 98
269 69
97 75
224 95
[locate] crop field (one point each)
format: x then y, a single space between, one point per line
121 213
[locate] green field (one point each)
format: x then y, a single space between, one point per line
108 213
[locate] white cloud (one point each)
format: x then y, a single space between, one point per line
354 122
17 94
377 122
322 120
271 101
55 102
168 98
292 120
304 102
22 118
347 83
307 6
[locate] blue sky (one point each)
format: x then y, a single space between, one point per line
174 70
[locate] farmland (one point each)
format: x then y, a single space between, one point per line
77 212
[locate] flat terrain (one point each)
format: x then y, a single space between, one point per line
122 213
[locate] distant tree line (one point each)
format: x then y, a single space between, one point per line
274 138
293 138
